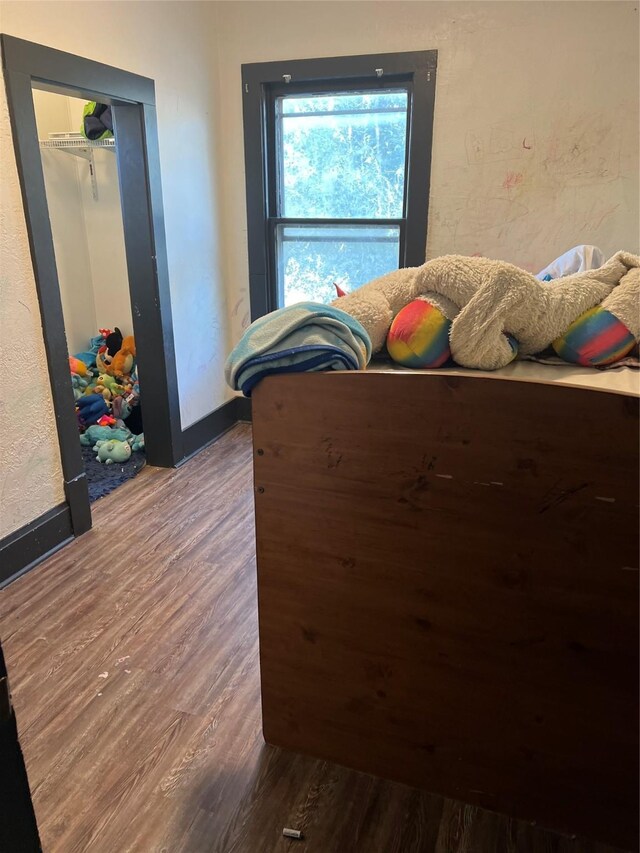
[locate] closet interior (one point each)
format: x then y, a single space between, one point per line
78 150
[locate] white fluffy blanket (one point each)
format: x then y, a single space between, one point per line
486 298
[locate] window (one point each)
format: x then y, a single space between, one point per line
337 155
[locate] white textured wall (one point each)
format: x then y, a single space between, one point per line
536 120
30 473
105 242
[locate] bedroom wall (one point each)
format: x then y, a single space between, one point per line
175 44
68 223
536 120
30 473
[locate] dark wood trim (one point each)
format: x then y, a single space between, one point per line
205 431
149 283
77 494
34 199
260 81
162 288
244 409
418 174
68 74
360 66
23 549
262 295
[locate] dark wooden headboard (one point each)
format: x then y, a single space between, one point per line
448 587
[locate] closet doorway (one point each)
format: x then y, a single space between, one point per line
96 233
78 146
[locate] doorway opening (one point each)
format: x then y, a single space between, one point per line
77 147
32 72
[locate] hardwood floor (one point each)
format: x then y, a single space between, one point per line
134 665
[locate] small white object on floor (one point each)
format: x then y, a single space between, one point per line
103 675
291 833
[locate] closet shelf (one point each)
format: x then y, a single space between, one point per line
79 146
75 143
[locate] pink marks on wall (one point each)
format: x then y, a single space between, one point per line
583 152
512 180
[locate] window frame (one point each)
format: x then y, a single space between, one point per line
263 83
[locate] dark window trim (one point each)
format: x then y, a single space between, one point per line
263 81
25 65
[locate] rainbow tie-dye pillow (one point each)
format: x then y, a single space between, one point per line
595 339
419 336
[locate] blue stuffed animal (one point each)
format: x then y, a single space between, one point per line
91 407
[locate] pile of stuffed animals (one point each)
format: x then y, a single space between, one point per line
107 394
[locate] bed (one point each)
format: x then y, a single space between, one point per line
448 583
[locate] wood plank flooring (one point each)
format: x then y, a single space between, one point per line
134 666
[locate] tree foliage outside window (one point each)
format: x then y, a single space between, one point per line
340 156
313 257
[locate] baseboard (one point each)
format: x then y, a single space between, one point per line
200 434
27 547
244 409
23 549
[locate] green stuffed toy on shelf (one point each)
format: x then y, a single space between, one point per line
97 122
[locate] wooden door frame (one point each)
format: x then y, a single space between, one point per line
27 65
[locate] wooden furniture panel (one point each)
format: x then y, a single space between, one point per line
447 587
